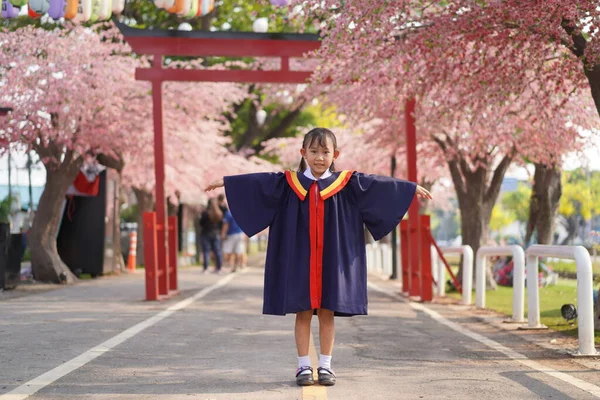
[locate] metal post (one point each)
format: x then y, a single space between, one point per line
414 240
159 174
394 235
426 279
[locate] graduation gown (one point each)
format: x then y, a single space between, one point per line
316 251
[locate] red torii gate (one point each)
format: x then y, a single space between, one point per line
161 268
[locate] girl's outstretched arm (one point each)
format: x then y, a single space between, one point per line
214 185
421 191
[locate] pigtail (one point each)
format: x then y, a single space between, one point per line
302 167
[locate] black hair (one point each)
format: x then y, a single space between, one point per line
320 135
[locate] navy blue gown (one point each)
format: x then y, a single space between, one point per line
316 251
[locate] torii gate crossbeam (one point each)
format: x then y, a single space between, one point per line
161 43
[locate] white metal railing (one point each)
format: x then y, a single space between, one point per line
518 277
585 299
379 258
467 269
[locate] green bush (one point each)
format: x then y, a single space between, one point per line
5 210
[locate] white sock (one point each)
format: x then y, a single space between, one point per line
324 361
304 361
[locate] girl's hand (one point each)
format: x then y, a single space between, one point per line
214 184
422 192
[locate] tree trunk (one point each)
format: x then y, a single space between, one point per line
45 261
571 224
475 215
543 206
593 75
476 194
117 165
253 131
145 201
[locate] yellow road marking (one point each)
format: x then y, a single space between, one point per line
315 392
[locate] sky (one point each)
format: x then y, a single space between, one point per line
19 172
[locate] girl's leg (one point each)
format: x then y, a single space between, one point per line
304 373
302 332
326 338
326 331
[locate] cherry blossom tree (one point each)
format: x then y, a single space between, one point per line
67 89
480 141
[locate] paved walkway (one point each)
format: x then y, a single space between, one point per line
100 340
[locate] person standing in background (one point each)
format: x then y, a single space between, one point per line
210 234
234 243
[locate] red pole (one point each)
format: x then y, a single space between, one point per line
159 174
173 252
426 277
150 259
413 212
404 256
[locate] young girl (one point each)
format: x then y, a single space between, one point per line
316 261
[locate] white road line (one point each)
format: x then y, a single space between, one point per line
36 384
579 383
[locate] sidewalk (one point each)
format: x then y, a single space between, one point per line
219 346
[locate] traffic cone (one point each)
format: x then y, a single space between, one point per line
131 259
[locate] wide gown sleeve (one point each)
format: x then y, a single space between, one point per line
382 201
254 199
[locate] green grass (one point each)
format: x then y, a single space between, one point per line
551 299
569 267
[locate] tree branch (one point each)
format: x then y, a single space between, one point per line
494 187
111 162
579 42
457 178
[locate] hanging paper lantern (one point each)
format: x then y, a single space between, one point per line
177 7
71 9
8 10
95 10
184 26
84 11
193 9
101 10
57 9
205 7
260 25
165 4
105 10
118 6
40 7
279 3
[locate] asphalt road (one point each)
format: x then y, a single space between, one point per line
100 340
